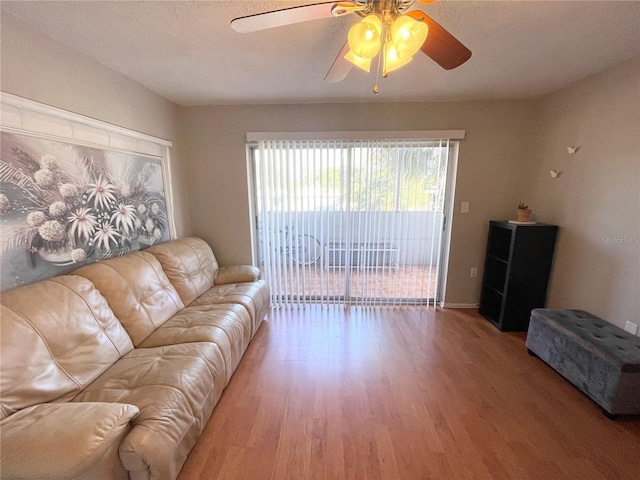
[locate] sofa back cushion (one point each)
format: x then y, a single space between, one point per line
190 265
56 337
138 292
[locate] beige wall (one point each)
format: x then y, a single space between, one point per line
596 199
509 149
39 68
490 161
506 157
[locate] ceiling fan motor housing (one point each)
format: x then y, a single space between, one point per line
385 8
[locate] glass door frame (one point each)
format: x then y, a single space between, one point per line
445 231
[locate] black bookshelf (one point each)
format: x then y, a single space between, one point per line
516 272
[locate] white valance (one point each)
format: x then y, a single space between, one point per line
359 135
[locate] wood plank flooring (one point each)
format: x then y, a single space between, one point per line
411 393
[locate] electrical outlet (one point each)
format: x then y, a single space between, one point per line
474 273
464 207
631 328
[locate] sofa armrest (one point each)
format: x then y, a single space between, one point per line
236 274
65 440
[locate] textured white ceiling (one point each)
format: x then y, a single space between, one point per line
187 52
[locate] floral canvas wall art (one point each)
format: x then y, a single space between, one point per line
63 205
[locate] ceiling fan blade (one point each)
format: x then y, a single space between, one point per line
288 16
340 68
442 47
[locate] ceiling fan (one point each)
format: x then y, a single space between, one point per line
388 27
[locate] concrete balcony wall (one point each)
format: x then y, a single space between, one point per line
411 232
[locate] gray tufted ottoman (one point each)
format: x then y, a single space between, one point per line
599 358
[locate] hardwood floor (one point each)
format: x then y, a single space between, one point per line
411 393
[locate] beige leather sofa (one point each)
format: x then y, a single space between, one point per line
113 371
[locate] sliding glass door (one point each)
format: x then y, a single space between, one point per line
350 221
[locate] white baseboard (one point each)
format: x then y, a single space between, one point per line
459 305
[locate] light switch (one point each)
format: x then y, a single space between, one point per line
464 207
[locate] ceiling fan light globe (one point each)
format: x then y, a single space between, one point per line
363 63
391 59
364 37
408 35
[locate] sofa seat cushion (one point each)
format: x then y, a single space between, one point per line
253 296
65 440
190 265
226 325
175 388
137 290
56 337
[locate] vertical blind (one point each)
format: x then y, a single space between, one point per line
350 221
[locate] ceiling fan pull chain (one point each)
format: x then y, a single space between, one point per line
375 88
380 67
